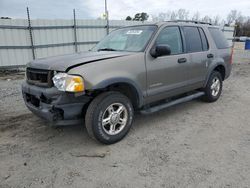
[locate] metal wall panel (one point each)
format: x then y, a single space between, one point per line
53 37
14 37
14 57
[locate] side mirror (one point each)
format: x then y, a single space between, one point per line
160 50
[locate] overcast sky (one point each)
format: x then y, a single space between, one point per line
118 9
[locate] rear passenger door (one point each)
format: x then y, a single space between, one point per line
196 45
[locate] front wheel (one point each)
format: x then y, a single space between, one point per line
213 88
109 117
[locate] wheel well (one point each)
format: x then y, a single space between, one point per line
127 90
221 70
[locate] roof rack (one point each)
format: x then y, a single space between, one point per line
190 21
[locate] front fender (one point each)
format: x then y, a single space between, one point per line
105 83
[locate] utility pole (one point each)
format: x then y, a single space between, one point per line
107 16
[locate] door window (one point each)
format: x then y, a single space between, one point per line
171 36
204 40
192 39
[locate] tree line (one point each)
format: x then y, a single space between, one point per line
234 18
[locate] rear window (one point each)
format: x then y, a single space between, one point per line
193 39
219 38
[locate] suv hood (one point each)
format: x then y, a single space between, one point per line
66 62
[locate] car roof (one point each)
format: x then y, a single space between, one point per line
177 22
185 23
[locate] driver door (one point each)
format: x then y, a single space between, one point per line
167 75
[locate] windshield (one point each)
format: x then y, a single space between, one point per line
133 39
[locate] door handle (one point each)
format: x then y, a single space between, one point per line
210 55
182 60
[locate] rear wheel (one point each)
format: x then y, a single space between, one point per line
109 117
213 88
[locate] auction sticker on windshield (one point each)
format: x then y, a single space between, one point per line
134 32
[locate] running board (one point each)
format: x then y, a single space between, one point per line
171 103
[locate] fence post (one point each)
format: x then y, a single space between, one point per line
31 35
75 34
107 17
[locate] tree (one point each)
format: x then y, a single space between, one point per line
196 16
162 16
233 17
216 20
246 28
5 18
128 18
182 14
243 27
141 17
206 19
173 16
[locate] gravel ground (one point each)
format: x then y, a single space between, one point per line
190 145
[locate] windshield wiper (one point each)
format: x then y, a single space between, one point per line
106 49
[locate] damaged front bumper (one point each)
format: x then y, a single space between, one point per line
58 107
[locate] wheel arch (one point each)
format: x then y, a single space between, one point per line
220 67
124 85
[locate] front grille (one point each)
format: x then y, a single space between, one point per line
39 77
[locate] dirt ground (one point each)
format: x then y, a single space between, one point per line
190 145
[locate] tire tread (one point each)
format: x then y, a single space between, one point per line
90 113
207 97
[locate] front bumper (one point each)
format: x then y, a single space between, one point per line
57 107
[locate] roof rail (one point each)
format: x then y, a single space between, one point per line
190 21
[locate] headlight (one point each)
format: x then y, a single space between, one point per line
70 83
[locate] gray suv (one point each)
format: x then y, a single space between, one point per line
144 68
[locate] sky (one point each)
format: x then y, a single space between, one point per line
118 9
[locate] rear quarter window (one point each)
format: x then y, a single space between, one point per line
219 38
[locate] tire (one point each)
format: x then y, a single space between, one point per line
213 92
109 117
